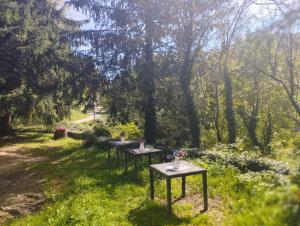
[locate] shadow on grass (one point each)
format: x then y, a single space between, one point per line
150 213
21 139
70 163
72 170
76 162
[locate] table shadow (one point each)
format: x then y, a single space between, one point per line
149 213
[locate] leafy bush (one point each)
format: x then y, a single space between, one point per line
291 205
244 161
88 139
101 131
91 139
130 129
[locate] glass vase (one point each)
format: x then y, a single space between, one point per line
142 146
122 139
177 163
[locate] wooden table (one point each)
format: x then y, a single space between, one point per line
121 146
167 170
137 152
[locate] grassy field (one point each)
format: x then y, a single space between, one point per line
77 114
83 188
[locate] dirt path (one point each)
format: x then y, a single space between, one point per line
20 187
88 119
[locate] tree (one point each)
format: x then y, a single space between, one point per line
34 60
191 22
128 34
229 30
277 60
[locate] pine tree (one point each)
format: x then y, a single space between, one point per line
124 42
34 61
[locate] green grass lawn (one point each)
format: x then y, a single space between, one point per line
83 188
77 114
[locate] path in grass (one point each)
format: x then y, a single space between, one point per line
20 187
87 119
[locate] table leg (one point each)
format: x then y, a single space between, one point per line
118 156
183 186
149 160
108 156
160 157
151 184
205 195
169 197
125 162
135 166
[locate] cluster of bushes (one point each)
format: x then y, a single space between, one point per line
244 161
101 132
97 136
130 129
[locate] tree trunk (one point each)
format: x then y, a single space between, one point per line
189 102
251 128
192 115
186 75
229 111
5 124
216 114
150 130
268 134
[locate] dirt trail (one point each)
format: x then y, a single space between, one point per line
20 187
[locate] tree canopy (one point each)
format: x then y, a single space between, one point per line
37 64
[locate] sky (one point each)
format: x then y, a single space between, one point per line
260 15
258 11
73 14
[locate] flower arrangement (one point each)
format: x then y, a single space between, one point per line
140 140
59 133
180 154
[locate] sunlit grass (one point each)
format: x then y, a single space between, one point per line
77 114
84 188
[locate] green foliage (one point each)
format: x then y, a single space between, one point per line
101 131
173 129
77 114
97 136
244 161
36 61
130 129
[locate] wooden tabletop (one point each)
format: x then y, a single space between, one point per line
168 170
147 150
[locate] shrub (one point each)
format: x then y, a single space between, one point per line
100 131
244 161
130 129
98 136
88 139
59 133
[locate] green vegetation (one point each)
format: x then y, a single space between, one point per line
83 188
77 114
34 62
209 75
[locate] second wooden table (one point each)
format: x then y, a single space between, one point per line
137 152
